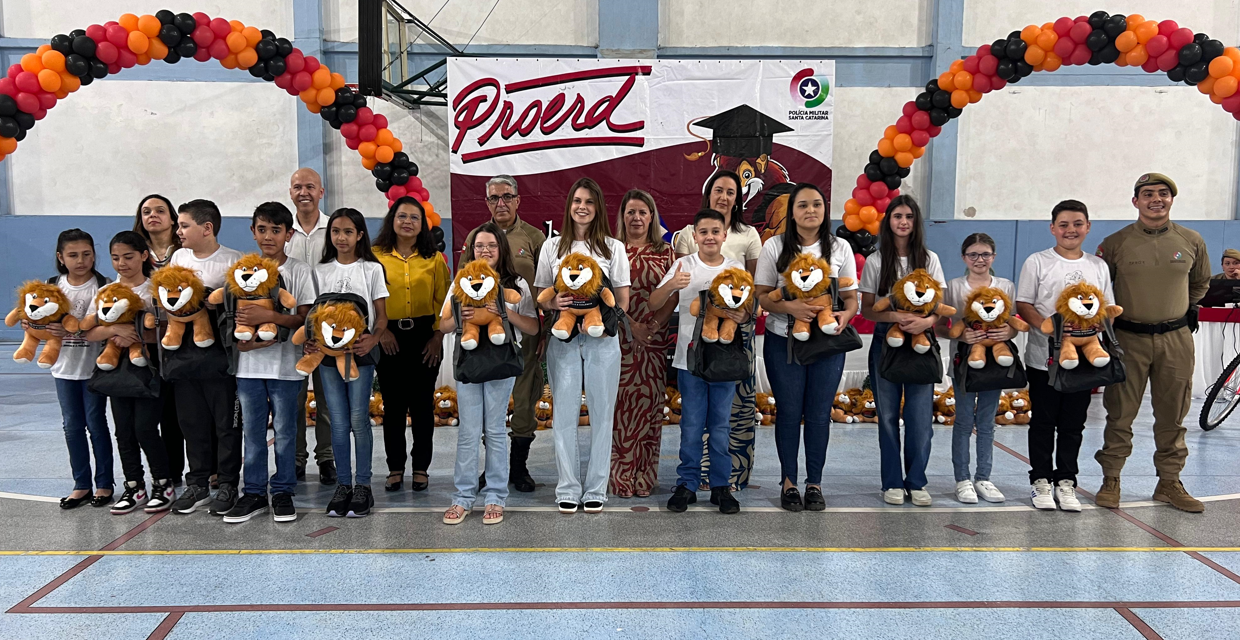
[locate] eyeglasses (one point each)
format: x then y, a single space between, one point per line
507 197
488 248
974 257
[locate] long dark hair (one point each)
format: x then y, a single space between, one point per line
597 234
736 224
363 235
135 241
172 215
792 237
503 264
424 244
918 257
74 235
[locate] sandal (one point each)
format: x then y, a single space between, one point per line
494 514
455 514
642 493
624 493
419 485
394 486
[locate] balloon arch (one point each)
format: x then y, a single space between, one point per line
1195 59
74 60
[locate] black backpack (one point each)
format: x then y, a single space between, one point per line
128 380
226 322
992 376
821 345
192 362
902 365
1085 376
487 361
613 317
716 361
371 358
100 281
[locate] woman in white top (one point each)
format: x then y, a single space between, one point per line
902 249
584 230
975 409
484 407
802 392
744 245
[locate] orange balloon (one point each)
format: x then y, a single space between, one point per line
69 82
53 60
1226 86
8 145
313 107
1052 62
309 96
138 42
32 62
1122 61
1139 55
384 137
326 97
960 100
963 80
851 206
1146 30
1047 39
369 163
236 25
975 96
321 78
891 132
235 42
1135 21
1233 53
885 148
252 36
149 26
947 80
62 94
431 217
1126 41
1207 86
367 149
129 21
43 48
143 58
1030 34
918 152
158 50
337 81
1035 54
1219 67
396 145
49 80
868 214
247 58
904 159
853 223
956 65
902 142
873 228
229 61
384 154
1214 97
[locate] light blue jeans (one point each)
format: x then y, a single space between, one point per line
484 409
260 398
592 364
974 410
349 403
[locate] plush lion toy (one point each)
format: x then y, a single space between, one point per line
808 278
446 411
917 293
335 326
1083 308
117 304
312 414
671 408
583 417
477 285
181 294
945 407
1003 413
581 276
251 280
543 409
730 290
764 409
41 304
867 409
988 308
1022 407
376 408
841 408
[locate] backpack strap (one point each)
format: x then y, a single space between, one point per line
53 280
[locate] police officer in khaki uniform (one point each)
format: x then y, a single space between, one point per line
524 241
1159 270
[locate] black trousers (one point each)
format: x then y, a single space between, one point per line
207 411
408 388
1054 414
137 432
170 432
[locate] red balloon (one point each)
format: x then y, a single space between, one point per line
981 84
878 190
1064 46
988 65
910 108
292 91
367 132
1232 104
97 33
1157 45
220 28
284 80
14 70
8 87
1180 37
117 35
27 102
40 114
397 191
1167 27
997 84
882 203
863 197
904 124
114 68
1168 60
202 54
893 193
46 100
1150 65
203 36
1081 55
349 129
1236 115
312 64
126 58
302 81
426 195
934 131
921 138
107 52
380 121
294 62
219 49
982 52
971 64
415 184
920 120
1081 19
201 18
1063 26
364 116
27 82
352 143
1079 32
862 181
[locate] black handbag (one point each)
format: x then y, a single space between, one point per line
716 361
366 359
821 345
192 362
992 376
902 365
613 317
487 361
1085 376
128 380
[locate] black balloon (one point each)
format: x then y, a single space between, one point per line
284 47
1023 69
1016 49
267 34
77 33
383 185
1006 69
864 238
268 77
924 101
413 167
185 23
1109 54
87 79
1015 78
1095 59
437 233
172 58
938 117
1176 74
953 112
8 127
328 113
1211 49
98 69
8 106
276 66
875 157
873 173
904 171
998 48
1015 35
1190 54
400 175
382 170
187 47
335 123
400 160
62 43
344 95
21 135
258 70
1196 73
892 182
359 100
346 113
941 99
266 49
843 232
932 86
77 65
889 166
1114 26
1199 38
1097 40
169 35
165 16
84 46
1098 18
24 120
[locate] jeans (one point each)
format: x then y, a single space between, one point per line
801 391
484 410
349 403
83 413
279 399
706 407
918 423
567 365
967 417
137 432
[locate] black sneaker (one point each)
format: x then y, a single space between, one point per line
225 499
339 504
681 498
248 506
723 497
282 507
359 506
814 500
162 495
133 497
327 473
193 497
790 499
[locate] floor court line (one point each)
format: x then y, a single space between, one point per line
1140 625
166 625
431 550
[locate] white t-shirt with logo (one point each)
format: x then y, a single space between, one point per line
279 361
843 265
77 356
616 269
362 277
700 275
213 269
1045 275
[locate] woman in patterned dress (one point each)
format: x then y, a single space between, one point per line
643 358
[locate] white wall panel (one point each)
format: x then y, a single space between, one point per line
44 19
795 23
988 20
861 114
563 22
1022 150
101 149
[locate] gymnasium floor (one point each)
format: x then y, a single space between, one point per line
859 570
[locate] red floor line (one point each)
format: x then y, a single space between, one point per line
1013 452
1146 528
133 533
1140 625
1214 565
165 626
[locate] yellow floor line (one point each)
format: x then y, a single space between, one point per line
215 552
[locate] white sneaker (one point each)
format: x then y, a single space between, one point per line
1065 494
965 492
987 491
1040 491
921 497
893 496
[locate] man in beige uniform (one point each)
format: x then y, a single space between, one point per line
1160 270
524 242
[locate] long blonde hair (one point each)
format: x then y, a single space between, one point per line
597 235
652 231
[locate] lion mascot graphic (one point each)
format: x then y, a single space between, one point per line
730 290
917 293
581 276
180 293
809 278
988 308
335 326
117 304
1083 308
41 304
254 281
477 285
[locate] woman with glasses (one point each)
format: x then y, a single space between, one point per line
417 282
975 409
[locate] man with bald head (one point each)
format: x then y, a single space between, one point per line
309 235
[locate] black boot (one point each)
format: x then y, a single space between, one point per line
518 474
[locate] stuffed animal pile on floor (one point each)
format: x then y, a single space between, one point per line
446 413
945 406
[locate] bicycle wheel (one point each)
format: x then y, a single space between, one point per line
1223 397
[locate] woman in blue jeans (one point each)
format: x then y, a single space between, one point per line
902 250
802 392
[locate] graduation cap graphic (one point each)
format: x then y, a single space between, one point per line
739 132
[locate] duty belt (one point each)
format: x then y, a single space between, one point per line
1151 329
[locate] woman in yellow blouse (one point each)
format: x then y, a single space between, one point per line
417 282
